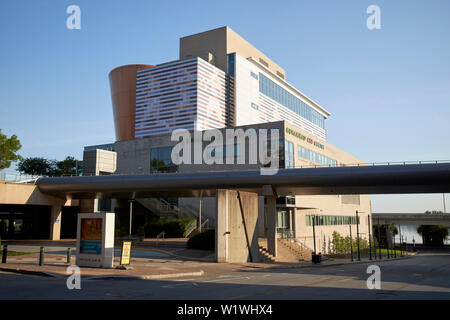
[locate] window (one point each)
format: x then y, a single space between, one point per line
161 160
283 219
254 75
310 155
330 220
255 106
289 154
287 99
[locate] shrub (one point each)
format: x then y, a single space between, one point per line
173 228
123 231
141 232
342 245
205 240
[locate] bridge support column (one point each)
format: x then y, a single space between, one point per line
271 225
236 234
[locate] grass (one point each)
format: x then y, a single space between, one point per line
384 252
14 253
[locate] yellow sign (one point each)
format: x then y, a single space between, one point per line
126 253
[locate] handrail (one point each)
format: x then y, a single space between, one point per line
317 166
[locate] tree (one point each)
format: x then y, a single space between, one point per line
433 235
36 166
67 167
8 149
45 167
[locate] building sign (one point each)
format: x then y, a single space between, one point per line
126 253
304 138
95 240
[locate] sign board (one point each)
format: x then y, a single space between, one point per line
126 253
95 240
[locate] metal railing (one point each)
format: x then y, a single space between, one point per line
340 165
9 177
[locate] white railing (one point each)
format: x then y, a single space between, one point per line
15 177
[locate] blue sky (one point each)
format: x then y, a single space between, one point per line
388 90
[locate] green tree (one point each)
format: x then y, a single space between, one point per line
8 150
433 235
36 166
67 167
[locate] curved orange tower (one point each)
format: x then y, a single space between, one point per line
122 81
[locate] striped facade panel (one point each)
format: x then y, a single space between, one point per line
187 94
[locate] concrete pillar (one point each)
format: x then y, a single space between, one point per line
236 231
271 225
55 222
222 226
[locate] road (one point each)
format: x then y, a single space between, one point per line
425 276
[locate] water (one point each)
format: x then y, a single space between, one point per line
409 232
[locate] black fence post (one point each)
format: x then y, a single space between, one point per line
393 244
41 256
5 253
68 255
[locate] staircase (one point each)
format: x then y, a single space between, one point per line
165 209
287 251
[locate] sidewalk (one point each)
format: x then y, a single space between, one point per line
169 265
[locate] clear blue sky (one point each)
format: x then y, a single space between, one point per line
388 90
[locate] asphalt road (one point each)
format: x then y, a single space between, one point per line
425 276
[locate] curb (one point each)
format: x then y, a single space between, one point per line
147 277
30 272
276 266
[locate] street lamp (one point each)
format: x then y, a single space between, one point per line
131 215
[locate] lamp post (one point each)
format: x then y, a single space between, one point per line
131 215
351 239
314 232
379 240
370 241
443 198
357 235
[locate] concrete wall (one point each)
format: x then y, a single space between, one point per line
220 42
25 194
236 235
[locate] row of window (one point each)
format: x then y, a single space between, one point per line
310 155
287 99
331 220
304 153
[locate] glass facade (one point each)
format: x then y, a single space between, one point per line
287 99
331 220
161 160
310 155
289 154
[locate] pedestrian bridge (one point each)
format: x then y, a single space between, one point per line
411 218
381 179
